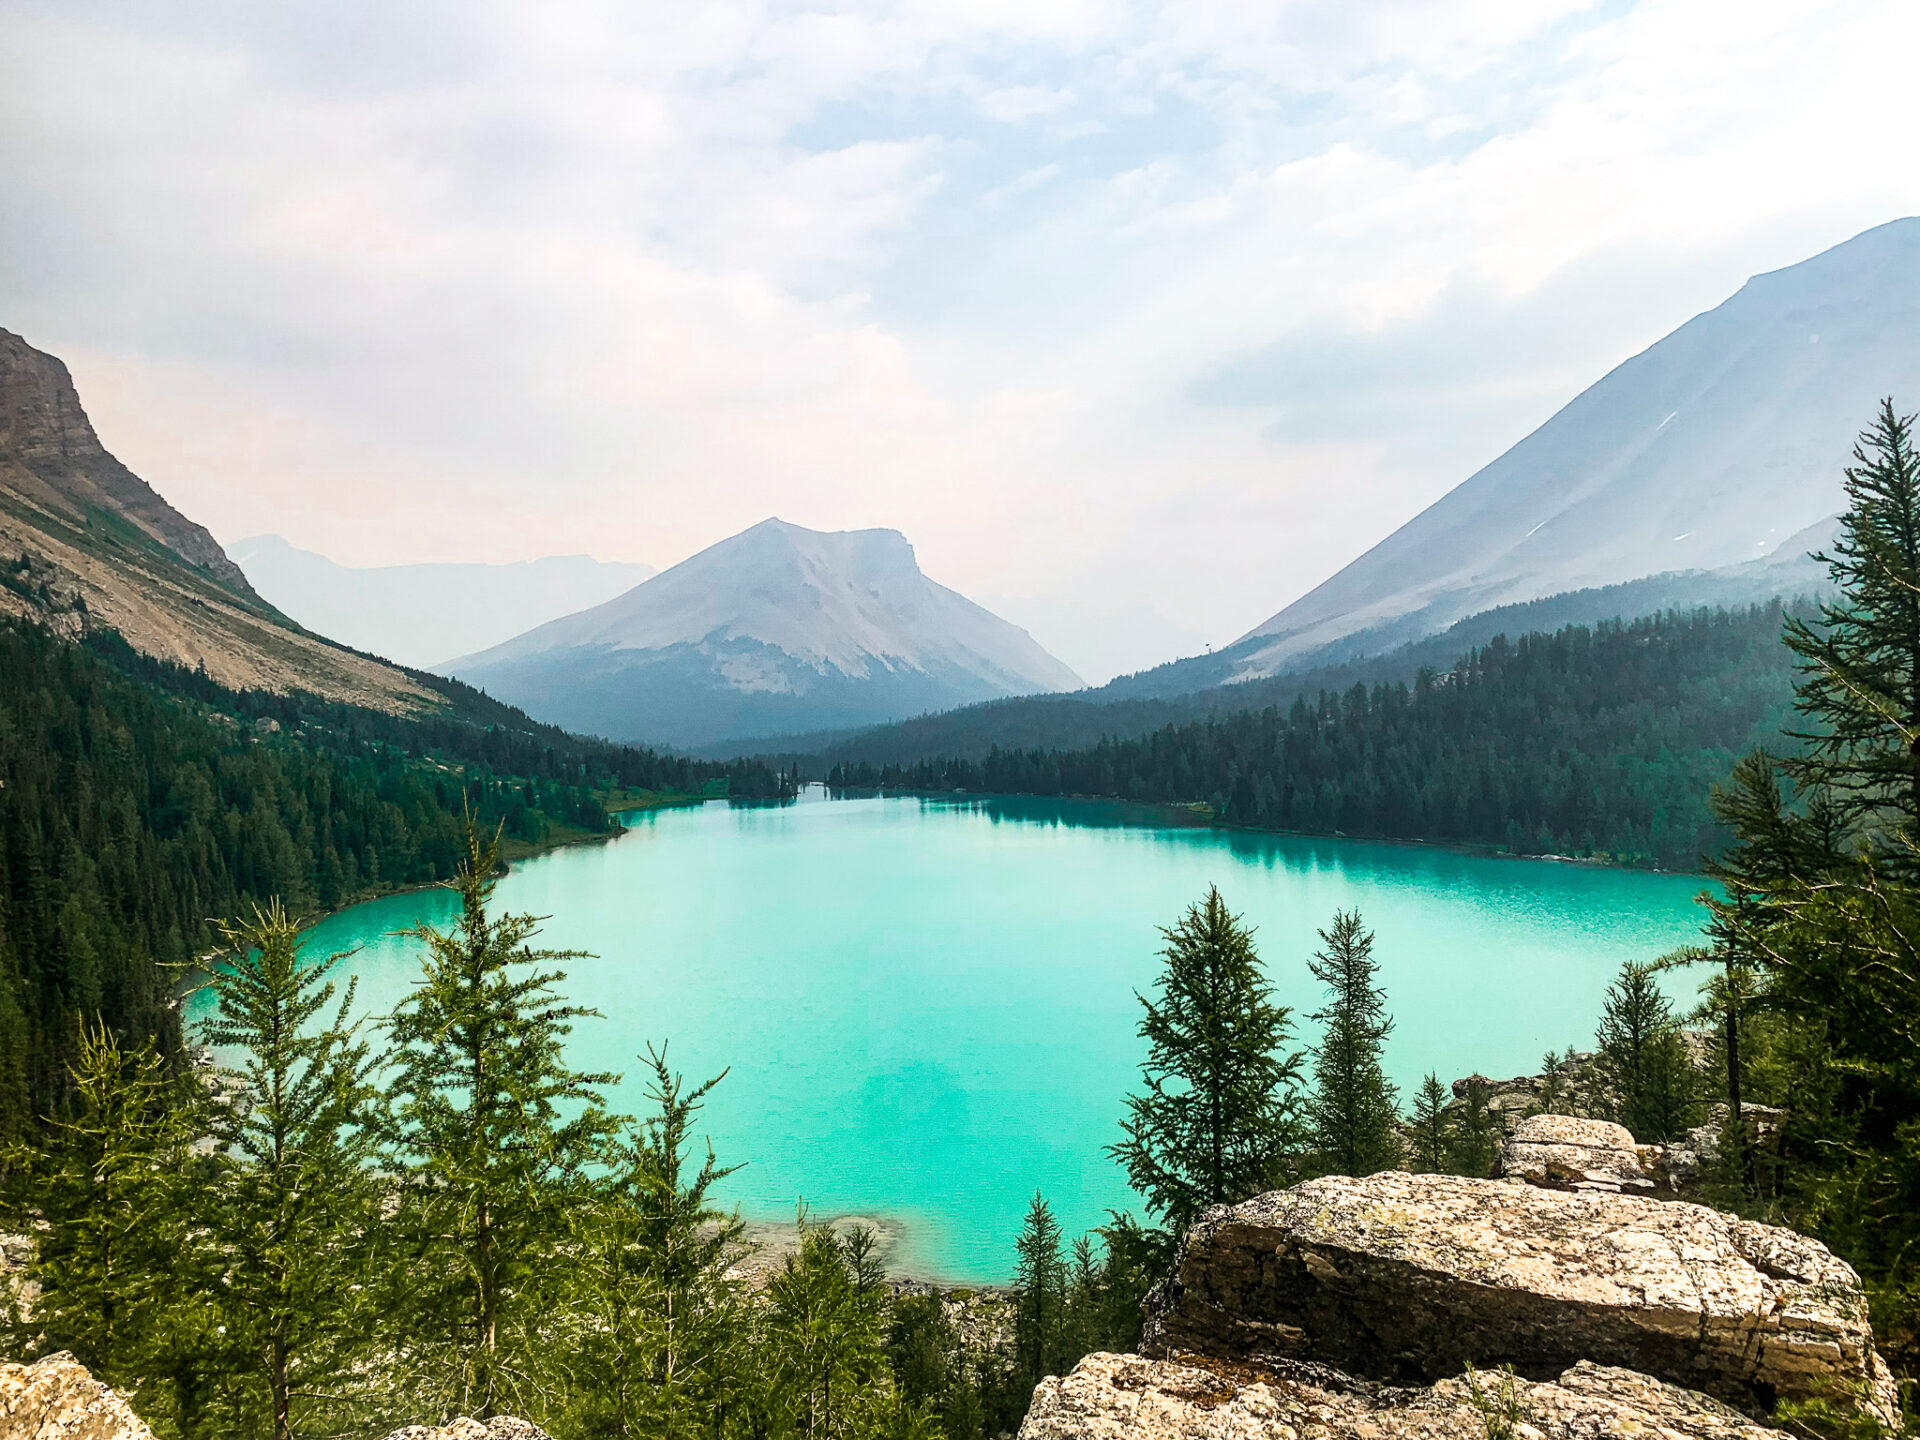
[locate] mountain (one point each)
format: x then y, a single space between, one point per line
1719 449
425 614
85 544
775 630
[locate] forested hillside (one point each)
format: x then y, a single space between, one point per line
1594 740
140 802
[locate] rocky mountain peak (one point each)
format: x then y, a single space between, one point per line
59 460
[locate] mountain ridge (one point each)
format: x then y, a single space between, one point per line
1724 438
86 544
778 626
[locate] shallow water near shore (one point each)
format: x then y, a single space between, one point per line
927 1007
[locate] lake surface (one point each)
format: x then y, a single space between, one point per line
928 1007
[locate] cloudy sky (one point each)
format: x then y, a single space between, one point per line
1138 321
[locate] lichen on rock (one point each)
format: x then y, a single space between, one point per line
1410 1278
55 1398
1125 1397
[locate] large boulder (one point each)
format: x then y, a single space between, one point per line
56 1399
1560 1152
1410 1278
1123 1397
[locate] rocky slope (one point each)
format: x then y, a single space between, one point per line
1438 1306
776 630
1719 449
85 543
424 615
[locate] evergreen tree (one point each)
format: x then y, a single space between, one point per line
293 1207
108 1182
1219 1119
825 1326
661 1315
1431 1126
1474 1137
1352 1106
1859 662
1643 1058
1816 931
1041 1277
480 1083
1556 1095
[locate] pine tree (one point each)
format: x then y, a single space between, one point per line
825 1331
1643 1057
1473 1138
661 1313
293 1205
1041 1277
1860 661
1219 1120
1431 1125
1352 1106
107 1178
1816 931
480 1085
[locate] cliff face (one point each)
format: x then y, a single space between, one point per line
53 457
1434 1305
87 544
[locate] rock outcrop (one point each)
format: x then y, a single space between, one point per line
501 1427
56 1399
1410 1278
1558 1152
1123 1397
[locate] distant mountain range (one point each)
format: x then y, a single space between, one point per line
778 629
1700 472
425 615
85 544
1717 450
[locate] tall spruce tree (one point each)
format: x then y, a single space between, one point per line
1819 927
660 1313
1352 1105
1041 1278
500 1136
293 1206
1643 1058
1859 662
1219 1119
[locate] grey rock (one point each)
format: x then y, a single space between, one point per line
1559 1152
56 1399
1125 1397
1409 1278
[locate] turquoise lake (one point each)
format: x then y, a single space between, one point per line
928 1009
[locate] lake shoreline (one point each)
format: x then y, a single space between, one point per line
1197 815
